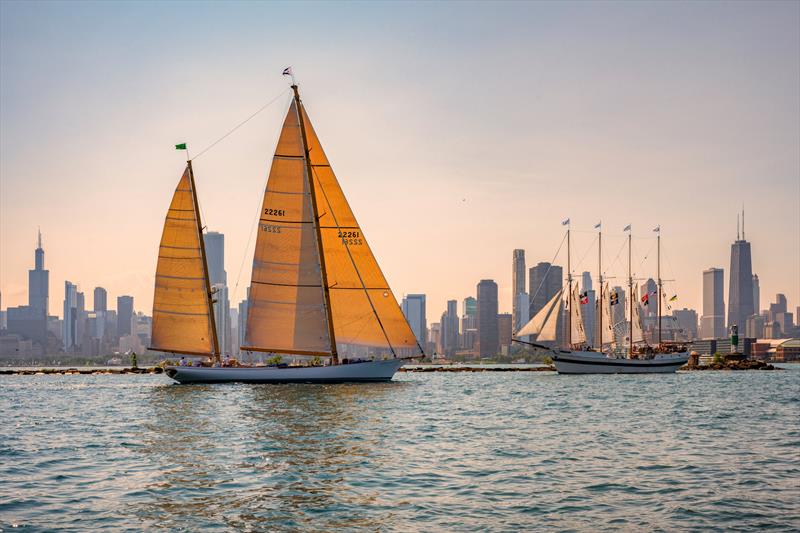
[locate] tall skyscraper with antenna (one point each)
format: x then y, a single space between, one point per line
39 282
740 290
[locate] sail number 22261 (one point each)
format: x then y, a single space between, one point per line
351 238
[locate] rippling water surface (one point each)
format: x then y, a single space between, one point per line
428 452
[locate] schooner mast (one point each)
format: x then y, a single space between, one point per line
658 270
630 295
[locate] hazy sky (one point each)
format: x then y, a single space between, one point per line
459 131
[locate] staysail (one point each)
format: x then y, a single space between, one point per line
636 324
607 330
183 319
545 323
309 236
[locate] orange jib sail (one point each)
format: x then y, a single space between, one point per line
182 320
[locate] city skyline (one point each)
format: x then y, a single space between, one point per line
575 153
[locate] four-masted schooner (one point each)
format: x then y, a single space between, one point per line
316 288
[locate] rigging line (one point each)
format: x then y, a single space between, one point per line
588 249
619 252
355 267
239 125
254 224
532 298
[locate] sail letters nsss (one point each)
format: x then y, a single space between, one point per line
316 287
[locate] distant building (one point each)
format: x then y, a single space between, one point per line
100 300
413 307
518 287
435 339
469 323
755 327
242 326
69 337
523 309
218 279
488 341
449 326
712 322
756 295
648 297
545 280
685 324
740 292
504 322
124 315
39 283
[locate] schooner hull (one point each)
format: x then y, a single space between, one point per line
365 372
598 363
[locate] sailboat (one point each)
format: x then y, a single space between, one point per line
317 291
603 360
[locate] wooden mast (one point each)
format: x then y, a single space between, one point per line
630 297
600 278
209 294
658 313
315 212
569 294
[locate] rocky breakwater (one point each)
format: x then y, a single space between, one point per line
746 364
84 371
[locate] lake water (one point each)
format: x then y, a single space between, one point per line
426 452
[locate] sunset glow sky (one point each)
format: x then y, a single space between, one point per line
458 132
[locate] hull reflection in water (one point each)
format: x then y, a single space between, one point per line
599 363
367 371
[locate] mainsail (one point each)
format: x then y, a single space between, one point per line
183 319
316 287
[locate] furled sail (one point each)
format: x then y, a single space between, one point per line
286 307
542 325
182 315
576 322
636 325
607 331
287 301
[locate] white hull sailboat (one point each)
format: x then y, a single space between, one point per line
365 371
316 290
600 363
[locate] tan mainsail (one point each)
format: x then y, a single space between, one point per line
293 318
183 320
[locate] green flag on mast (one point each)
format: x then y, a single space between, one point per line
181 146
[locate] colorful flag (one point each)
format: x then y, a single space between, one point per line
181 146
565 222
614 298
645 299
674 297
584 297
627 228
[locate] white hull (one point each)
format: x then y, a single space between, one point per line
599 363
368 371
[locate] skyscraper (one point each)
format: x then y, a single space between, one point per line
740 292
504 332
517 287
469 323
414 310
545 281
39 283
100 300
218 279
756 295
712 322
124 315
449 325
686 324
69 335
488 341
